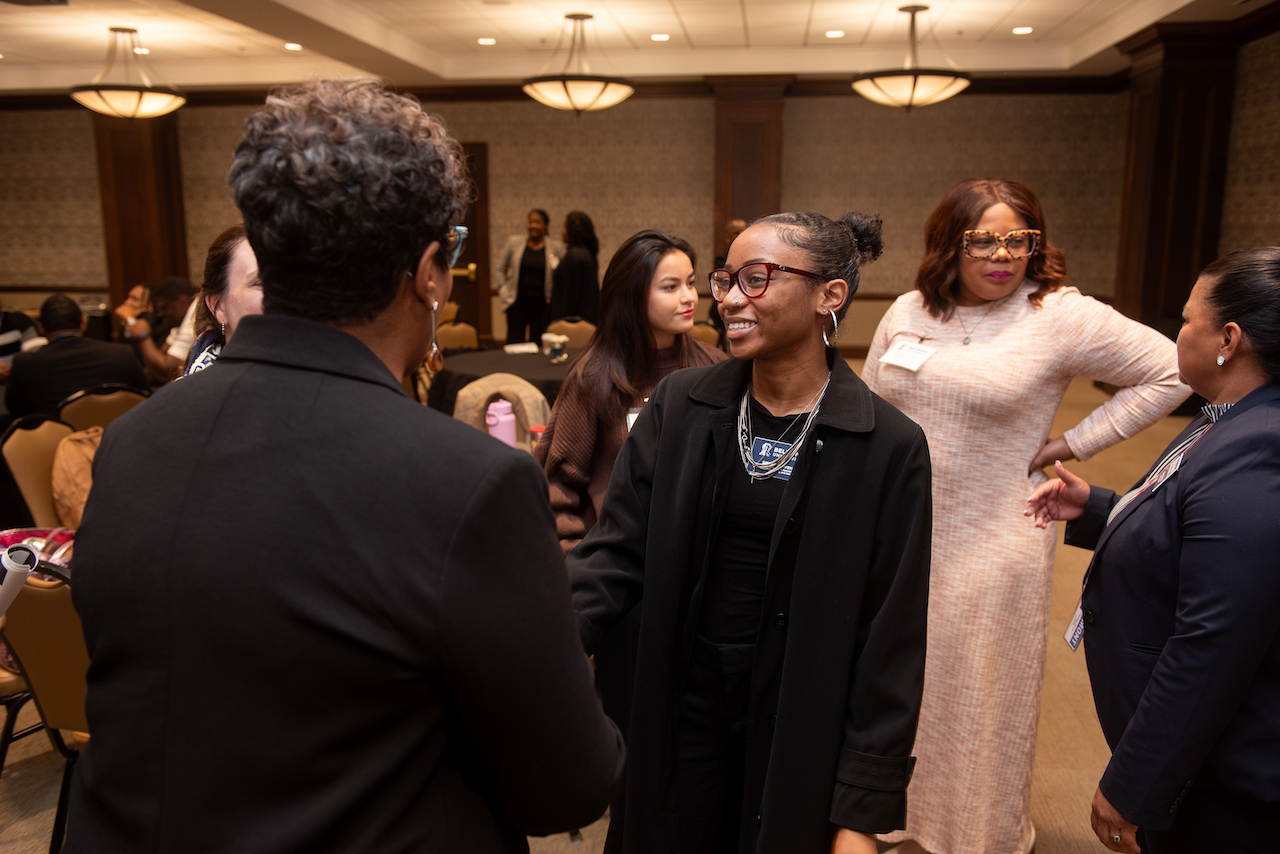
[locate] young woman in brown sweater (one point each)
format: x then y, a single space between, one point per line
646 309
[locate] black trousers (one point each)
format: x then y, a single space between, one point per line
711 742
1213 821
530 312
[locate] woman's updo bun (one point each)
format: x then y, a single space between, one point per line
836 250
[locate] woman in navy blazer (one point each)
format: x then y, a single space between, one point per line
1181 604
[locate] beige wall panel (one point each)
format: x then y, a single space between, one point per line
207 138
1251 209
847 153
50 209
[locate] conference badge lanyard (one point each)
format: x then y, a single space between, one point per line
633 413
904 354
764 452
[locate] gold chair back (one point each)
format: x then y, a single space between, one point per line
579 332
43 630
98 410
454 336
706 333
29 453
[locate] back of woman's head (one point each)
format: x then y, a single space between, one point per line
579 230
342 186
1245 288
837 249
217 269
621 357
959 211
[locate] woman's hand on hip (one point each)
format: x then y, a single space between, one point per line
852 842
1052 449
1062 499
1109 824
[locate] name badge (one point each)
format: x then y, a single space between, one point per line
1075 629
904 354
765 451
632 414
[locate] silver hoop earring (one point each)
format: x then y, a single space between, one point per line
1222 360
435 359
835 330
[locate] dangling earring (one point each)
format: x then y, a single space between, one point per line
224 332
835 330
435 359
1222 360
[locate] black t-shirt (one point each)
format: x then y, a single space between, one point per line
532 284
740 554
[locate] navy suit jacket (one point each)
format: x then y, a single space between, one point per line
1182 607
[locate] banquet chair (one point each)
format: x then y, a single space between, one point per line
28 447
448 314
576 329
706 333
457 336
99 406
13 696
528 405
44 634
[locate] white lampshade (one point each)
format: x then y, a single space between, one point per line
128 102
578 93
918 87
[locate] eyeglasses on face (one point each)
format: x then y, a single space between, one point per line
1019 243
752 279
454 241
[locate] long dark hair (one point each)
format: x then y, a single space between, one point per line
621 360
961 209
217 266
579 230
1246 289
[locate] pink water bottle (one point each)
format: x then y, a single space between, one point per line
502 424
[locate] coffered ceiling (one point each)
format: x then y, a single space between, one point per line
240 43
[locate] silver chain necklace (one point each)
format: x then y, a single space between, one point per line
746 439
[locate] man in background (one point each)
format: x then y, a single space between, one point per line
173 302
42 379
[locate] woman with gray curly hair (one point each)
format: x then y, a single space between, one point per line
315 643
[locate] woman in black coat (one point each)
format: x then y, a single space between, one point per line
774 515
575 284
1181 604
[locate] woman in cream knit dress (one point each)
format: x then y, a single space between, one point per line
1008 337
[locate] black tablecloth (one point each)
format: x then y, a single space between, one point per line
468 367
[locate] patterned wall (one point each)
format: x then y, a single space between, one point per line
207 137
50 209
849 154
1251 210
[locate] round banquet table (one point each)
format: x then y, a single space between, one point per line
469 367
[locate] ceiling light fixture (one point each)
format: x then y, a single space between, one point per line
661 37
575 87
292 46
910 86
1023 31
835 34
127 99
486 41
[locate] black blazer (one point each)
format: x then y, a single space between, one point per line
839 662
324 618
575 289
44 378
1182 609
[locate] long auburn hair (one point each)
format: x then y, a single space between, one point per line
961 209
621 361
217 266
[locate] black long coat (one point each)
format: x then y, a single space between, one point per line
836 686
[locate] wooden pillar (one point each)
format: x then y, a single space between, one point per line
748 148
1183 82
140 178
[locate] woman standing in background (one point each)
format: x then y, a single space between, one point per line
979 355
575 285
525 269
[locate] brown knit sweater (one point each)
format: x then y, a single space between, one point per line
579 446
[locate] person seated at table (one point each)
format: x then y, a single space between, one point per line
156 343
525 271
69 363
575 284
231 291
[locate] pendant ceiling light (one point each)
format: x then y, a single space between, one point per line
575 87
128 94
911 86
